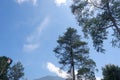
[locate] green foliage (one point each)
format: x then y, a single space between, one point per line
4 66
10 73
16 71
95 18
87 70
111 72
74 53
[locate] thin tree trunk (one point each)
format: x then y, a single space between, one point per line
73 72
72 65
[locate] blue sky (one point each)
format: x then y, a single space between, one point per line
29 30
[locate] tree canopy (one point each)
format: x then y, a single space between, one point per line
73 54
16 71
4 66
97 18
111 72
8 72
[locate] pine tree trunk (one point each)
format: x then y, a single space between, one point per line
72 65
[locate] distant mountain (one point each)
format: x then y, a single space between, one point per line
50 78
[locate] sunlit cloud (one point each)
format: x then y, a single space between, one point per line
61 73
33 40
34 2
54 69
98 78
60 2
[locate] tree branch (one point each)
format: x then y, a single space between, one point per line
108 26
95 5
112 18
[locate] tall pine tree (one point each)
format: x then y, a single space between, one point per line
74 55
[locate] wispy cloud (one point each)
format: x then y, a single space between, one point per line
34 2
21 1
52 68
37 32
60 2
30 47
33 40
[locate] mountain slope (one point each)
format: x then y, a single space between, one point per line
50 78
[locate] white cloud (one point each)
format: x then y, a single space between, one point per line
34 2
98 78
59 2
33 40
52 68
63 74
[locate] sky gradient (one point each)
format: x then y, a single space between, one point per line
29 30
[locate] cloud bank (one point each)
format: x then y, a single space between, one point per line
33 40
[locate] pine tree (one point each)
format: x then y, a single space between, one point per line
97 18
74 54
